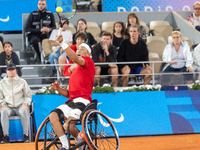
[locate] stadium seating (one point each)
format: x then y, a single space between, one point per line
107 26
46 46
157 47
155 38
162 28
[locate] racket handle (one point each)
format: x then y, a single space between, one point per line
59 31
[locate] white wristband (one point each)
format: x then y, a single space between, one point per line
64 45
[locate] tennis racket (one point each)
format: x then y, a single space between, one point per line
66 9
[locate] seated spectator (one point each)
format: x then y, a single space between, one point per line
82 27
104 51
1 39
176 51
7 57
196 58
39 24
57 49
67 69
133 19
15 102
194 18
134 49
118 33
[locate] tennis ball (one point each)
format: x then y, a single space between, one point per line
59 9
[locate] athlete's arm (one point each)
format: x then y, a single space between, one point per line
71 54
63 92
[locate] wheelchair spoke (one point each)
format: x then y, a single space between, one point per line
100 132
46 138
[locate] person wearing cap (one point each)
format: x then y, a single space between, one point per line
79 93
104 52
15 97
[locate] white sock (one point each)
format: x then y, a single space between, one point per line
64 141
78 138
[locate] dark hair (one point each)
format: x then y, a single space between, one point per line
134 16
7 42
67 21
134 26
81 35
106 33
83 21
123 28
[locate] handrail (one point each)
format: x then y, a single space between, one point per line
127 63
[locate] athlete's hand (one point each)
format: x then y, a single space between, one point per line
59 38
55 86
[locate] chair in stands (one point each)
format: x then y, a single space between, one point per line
155 38
156 67
162 28
144 25
28 48
153 55
92 24
94 29
107 26
30 129
46 46
157 47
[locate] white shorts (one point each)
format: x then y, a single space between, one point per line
73 112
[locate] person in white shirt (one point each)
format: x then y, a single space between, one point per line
194 18
57 49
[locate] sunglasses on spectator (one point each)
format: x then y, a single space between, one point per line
196 8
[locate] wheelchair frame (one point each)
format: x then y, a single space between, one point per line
93 124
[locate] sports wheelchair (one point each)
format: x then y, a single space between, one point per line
99 132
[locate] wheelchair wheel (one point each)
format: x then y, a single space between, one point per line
100 133
46 138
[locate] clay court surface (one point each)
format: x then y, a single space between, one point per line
168 142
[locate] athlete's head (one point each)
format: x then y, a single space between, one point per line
84 49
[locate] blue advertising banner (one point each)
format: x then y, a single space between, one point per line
138 113
147 5
11 12
132 113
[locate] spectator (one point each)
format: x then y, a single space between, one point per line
133 19
134 49
40 23
196 58
118 33
67 69
177 51
194 18
99 6
104 51
15 97
82 27
1 39
57 49
7 57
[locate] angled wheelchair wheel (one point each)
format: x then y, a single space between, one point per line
46 138
100 133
